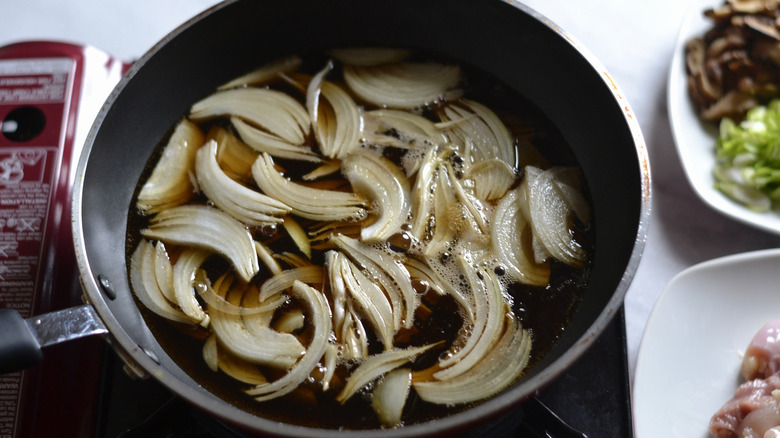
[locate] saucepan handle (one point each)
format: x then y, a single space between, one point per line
21 340
19 347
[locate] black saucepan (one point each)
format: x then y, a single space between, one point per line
504 38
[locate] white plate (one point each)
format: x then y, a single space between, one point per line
695 140
690 355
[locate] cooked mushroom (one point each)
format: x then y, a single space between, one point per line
735 65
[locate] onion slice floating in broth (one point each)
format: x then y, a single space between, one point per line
210 228
307 202
285 279
378 179
509 235
170 184
214 301
479 124
409 130
260 345
390 394
274 111
549 212
376 366
366 295
369 55
489 310
403 85
241 202
262 141
389 273
266 73
184 275
492 178
321 320
336 118
150 289
499 369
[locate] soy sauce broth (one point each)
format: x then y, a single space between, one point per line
544 311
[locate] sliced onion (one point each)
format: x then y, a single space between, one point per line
284 280
369 55
379 180
274 111
325 169
163 272
271 144
447 215
298 235
321 321
427 268
489 309
210 228
499 369
567 181
234 157
548 213
307 202
184 271
241 202
366 296
492 178
422 193
266 73
329 363
336 118
479 124
210 353
289 321
214 301
147 286
420 271
347 327
267 257
409 130
403 85
353 338
510 236
471 204
390 394
389 273
263 345
293 260
314 92
169 184
236 368
240 370
376 366
257 323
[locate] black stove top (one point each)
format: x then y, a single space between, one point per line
593 397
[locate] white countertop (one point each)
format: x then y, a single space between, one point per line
634 40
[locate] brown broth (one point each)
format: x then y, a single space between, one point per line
545 311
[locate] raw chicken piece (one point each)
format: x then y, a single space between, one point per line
757 423
750 396
754 411
762 357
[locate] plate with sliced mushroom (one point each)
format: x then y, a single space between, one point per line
695 110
